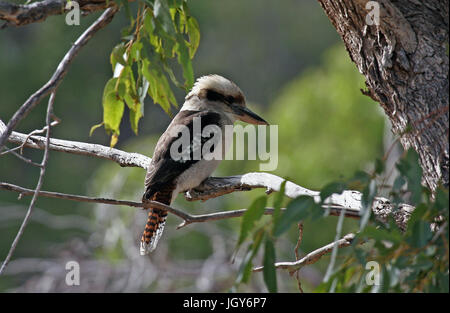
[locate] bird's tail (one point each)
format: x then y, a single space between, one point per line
153 230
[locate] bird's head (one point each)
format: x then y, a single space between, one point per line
214 92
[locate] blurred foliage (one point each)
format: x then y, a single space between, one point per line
414 260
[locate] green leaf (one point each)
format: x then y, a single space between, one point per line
185 61
379 166
135 116
149 22
296 210
442 199
421 233
193 30
380 234
245 269
416 215
328 190
269 270
409 167
113 107
135 52
159 88
117 55
162 13
254 213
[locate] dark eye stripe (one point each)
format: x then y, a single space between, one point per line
229 100
212 95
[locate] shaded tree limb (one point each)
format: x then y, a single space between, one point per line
313 256
58 75
23 14
213 187
187 218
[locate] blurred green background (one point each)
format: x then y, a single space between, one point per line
295 72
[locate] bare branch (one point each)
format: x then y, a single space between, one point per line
124 159
58 75
21 157
187 218
313 256
23 14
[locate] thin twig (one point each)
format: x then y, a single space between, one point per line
32 133
26 160
37 131
313 256
58 75
297 256
38 186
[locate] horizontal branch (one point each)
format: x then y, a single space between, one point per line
124 159
187 218
23 14
313 256
213 187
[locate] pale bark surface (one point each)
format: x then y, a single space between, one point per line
405 62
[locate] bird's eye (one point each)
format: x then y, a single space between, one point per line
229 99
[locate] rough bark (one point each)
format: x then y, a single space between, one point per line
405 62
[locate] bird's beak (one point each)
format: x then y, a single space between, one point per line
245 115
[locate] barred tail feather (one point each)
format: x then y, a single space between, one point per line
153 230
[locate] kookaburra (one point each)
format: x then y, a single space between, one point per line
213 100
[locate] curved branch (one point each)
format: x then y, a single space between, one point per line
23 14
313 256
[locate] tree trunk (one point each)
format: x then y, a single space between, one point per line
405 61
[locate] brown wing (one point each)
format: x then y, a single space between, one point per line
163 169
